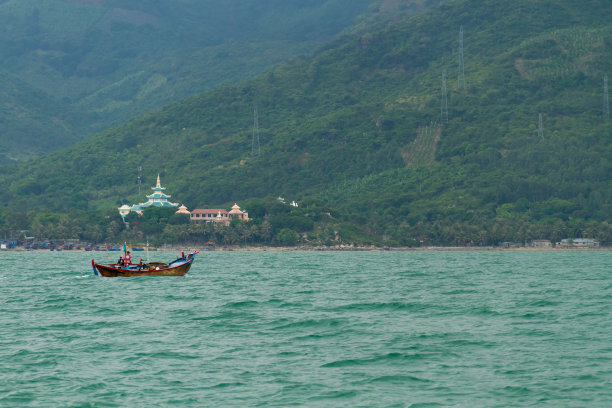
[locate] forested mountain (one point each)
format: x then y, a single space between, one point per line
31 121
362 126
90 64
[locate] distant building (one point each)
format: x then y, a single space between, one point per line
541 243
219 216
124 210
237 214
183 210
508 244
578 243
208 215
157 199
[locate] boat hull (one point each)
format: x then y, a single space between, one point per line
111 271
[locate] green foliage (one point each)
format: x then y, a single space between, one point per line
77 67
288 237
154 219
297 223
179 219
353 133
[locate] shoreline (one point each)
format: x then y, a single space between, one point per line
382 249
340 248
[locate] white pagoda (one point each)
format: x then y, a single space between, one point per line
157 199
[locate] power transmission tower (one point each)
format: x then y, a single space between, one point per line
444 104
461 79
540 127
606 100
255 149
139 178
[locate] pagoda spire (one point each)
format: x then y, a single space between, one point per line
157 199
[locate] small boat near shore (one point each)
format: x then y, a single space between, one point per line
178 267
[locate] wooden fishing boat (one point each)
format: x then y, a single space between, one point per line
178 267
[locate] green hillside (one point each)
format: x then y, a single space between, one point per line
358 127
31 122
110 60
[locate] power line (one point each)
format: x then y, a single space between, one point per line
461 77
139 178
255 148
444 103
540 127
606 100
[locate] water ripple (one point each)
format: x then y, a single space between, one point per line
311 329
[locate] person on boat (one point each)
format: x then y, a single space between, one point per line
128 259
120 261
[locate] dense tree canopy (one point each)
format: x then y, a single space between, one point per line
357 129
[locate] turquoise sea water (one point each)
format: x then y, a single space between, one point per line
311 329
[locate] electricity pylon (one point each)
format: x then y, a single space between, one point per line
461 77
255 149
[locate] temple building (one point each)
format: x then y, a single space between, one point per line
183 210
160 199
157 199
219 216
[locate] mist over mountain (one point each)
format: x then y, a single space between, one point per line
79 66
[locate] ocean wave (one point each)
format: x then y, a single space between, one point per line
378 359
